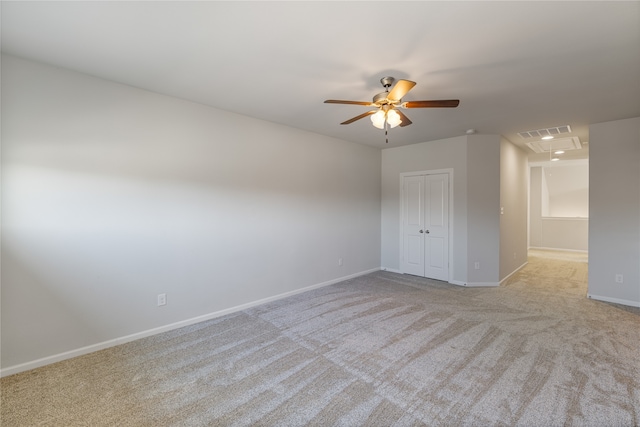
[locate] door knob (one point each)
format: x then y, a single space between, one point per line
427 231
421 231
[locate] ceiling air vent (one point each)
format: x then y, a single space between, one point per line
559 130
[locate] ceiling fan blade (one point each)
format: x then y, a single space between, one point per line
405 120
400 89
443 103
361 116
337 101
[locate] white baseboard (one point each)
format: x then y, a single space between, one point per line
393 270
615 300
514 272
543 248
481 284
143 334
474 284
470 284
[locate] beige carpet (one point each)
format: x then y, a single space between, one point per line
380 350
561 255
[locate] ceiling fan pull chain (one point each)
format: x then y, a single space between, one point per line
386 133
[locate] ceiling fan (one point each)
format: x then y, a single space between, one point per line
388 103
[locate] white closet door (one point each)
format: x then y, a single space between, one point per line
425 203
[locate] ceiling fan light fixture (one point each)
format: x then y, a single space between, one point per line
378 119
393 118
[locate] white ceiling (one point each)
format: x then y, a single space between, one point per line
515 66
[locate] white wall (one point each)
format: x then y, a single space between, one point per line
553 233
571 234
614 211
112 195
514 179
544 194
475 161
567 189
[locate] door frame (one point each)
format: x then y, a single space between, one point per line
448 171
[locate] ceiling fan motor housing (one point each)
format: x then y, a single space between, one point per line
387 81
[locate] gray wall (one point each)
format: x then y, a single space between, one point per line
112 195
483 204
514 201
442 154
614 211
475 161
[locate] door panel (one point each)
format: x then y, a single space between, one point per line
436 249
416 256
415 215
435 199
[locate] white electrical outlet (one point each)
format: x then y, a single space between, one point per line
162 299
339 261
619 278
477 265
